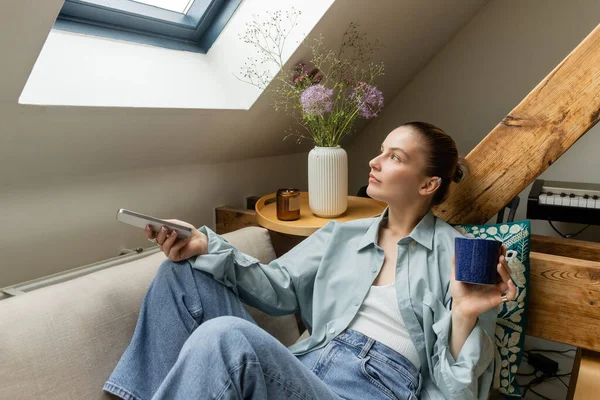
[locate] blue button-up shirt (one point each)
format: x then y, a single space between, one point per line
327 276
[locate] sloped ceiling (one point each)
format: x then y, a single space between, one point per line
38 143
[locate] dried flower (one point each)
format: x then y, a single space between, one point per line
313 72
316 100
300 78
299 67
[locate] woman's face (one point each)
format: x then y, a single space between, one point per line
397 172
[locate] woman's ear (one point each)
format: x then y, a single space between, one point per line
430 185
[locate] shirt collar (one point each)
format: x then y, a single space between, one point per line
422 233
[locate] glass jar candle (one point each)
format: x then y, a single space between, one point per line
288 204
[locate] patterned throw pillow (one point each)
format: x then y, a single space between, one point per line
512 318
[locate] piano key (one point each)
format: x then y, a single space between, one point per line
582 202
543 198
562 198
597 204
574 201
550 200
591 203
566 201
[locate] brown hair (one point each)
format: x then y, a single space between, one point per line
442 158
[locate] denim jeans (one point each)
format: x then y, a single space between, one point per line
195 340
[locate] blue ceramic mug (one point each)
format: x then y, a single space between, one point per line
476 260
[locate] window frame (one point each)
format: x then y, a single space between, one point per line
128 20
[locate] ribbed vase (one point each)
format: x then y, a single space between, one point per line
328 181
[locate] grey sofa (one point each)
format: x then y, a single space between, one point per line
63 341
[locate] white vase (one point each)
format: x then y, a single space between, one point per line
328 181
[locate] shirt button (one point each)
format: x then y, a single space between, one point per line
332 331
374 270
357 303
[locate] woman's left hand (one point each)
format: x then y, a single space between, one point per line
472 300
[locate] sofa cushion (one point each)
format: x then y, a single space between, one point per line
64 340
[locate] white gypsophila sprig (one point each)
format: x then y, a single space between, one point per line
269 38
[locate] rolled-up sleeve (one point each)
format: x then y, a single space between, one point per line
470 375
272 288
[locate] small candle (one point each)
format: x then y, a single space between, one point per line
288 204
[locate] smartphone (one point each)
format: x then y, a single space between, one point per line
141 221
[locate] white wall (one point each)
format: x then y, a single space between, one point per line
64 224
484 72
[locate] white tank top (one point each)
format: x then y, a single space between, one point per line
379 318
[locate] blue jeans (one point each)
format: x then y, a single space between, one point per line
195 340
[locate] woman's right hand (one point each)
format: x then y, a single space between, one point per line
178 249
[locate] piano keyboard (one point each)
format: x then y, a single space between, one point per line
564 201
570 199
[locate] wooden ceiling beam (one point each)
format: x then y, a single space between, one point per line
557 112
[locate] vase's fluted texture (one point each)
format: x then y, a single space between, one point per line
328 181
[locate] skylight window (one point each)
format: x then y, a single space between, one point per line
191 25
180 6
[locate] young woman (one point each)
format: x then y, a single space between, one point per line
386 316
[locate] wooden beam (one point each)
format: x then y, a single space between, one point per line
564 300
566 247
557 112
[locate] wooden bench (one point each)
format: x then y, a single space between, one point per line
564 305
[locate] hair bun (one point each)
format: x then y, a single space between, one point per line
462 170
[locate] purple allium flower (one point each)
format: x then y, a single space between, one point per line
316 100
368 98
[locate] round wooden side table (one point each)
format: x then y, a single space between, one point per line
266 214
